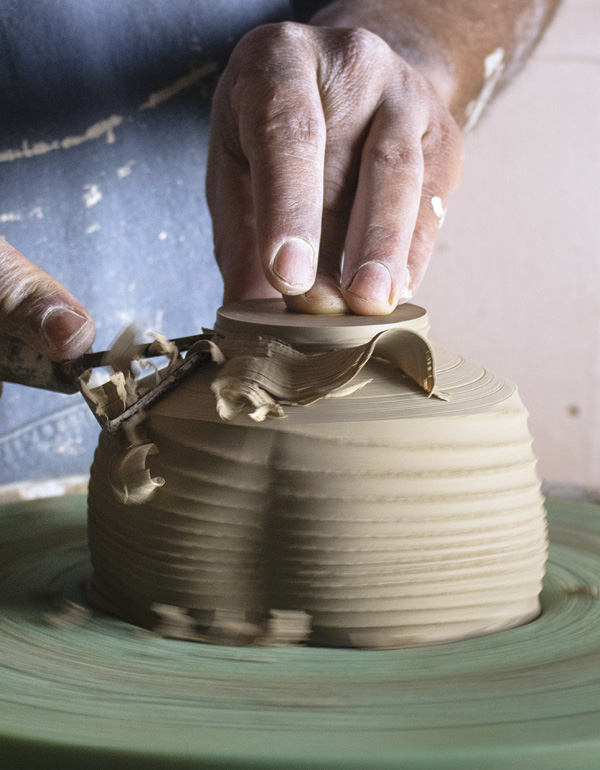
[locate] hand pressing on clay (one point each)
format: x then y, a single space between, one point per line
36 308
330 167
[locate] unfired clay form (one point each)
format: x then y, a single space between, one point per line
383 518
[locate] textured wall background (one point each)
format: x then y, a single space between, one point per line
515 282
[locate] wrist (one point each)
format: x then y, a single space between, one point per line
416 43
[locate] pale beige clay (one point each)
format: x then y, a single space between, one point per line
399 505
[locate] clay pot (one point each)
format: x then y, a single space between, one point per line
381 518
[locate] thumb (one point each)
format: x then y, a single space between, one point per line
38 309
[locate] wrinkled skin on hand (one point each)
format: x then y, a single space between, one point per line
36 308
326 151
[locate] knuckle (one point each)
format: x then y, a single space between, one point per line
357 58
23 295
274 54
22 284
395 156
286 126
261 44
360 44
441 125
443 151
354 65
270 88
288 31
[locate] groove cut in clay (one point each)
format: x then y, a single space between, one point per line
396 514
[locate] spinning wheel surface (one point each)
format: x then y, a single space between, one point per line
105 694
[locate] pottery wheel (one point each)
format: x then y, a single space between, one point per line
98 693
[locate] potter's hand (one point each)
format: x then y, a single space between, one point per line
326 142
37 309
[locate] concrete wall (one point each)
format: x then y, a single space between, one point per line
515 281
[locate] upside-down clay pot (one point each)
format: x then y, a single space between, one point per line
372 487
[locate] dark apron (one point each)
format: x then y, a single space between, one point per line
104 115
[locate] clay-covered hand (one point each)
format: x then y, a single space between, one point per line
37 309
330 167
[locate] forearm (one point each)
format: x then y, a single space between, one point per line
468 49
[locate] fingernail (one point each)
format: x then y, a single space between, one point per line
294 263
61 325
372 282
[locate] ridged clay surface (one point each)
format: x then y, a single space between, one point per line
390 519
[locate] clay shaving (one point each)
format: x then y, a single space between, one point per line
131 481
256 377
262 375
